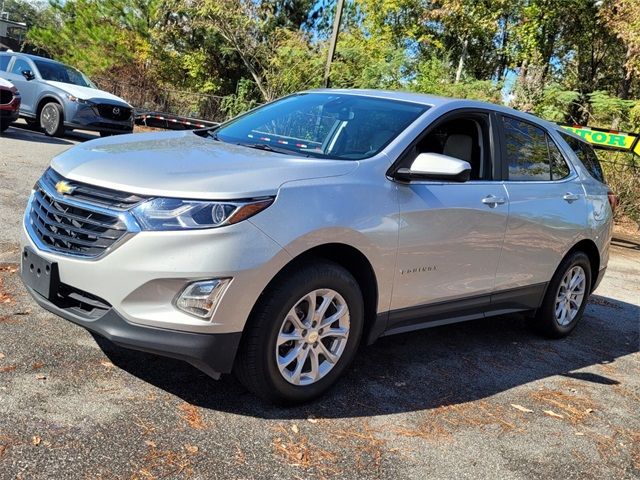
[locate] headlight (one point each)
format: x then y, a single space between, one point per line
80 100
176 214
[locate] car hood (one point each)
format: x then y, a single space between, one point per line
186 165
86 93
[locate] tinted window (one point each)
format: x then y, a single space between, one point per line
526 151
4 62
20 66
559 167
586 154
323 125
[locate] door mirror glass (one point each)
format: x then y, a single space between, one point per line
435 166
28 74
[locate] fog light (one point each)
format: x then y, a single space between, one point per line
201 298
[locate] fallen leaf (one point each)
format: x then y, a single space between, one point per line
551 413
294 428
107 364
1 356
35 440
41 377
580 434
521 408
37 365
192 449
589 410
8 368
312 420
151 444
2 449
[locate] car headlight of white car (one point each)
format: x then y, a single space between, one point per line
176 214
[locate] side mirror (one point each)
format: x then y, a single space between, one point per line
434 166
28 74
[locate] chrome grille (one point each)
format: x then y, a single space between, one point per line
73 225
104 197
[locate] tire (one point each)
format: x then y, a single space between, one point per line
256 366
51 119
549 319
4 124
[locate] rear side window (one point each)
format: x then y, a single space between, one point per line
4 62
531 154
559 167
586 154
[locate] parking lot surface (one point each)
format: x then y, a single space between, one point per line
485 399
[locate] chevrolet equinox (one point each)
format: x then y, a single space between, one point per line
273 245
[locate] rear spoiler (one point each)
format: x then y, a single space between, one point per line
604 139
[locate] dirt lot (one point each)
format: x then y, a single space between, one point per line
487 399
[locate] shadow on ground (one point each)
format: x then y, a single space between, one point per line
21 131
421 370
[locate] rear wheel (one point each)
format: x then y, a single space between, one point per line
566 297
302 335
52 119
4 124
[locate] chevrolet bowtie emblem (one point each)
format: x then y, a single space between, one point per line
63 188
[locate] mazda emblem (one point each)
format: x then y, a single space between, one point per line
116 111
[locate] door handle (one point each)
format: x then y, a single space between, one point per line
571 197
493 201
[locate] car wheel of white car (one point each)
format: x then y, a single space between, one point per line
302 335
566 296
51 119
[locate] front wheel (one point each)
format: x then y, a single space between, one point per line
52 119
302 335
566 297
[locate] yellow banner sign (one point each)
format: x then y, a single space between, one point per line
615 140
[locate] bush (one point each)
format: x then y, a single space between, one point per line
622 174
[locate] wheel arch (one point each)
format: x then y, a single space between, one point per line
47 98
354 261
590 248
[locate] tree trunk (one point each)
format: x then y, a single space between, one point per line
463 57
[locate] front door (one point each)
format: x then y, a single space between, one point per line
451 233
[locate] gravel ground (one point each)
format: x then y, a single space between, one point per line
486 399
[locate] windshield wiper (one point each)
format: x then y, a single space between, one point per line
270 148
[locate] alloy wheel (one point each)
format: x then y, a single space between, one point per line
49 118
312 337
570 296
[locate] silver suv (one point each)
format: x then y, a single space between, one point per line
275 244
57 97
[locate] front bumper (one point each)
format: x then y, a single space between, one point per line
86 117
211 353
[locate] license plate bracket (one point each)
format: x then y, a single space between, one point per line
39 274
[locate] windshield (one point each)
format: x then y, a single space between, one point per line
57 72
341 126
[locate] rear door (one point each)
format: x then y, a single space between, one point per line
451 233
547 206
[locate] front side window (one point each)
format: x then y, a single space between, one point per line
57 72
20 66
464 138
586 154
325 125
